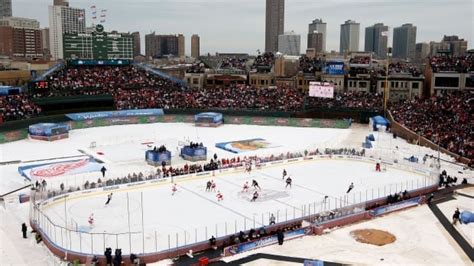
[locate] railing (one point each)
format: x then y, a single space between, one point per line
74 238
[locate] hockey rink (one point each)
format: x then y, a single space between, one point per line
193 215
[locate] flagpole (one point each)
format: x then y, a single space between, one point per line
385 93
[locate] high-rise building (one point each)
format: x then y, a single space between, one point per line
45 41
349 41
404 41
136 43
439 47
20 38
321 27
457 46
289 43
315 41
181 46
64 19
274 23
163 45
422 50
195 46
5 8
61 3
17 22
376 38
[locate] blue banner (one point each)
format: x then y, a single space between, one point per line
264 241
111 114
395 206
335 68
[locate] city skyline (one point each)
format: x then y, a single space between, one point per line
211 20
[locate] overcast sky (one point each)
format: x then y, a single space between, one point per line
239 25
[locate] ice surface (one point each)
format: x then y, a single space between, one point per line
123 152
192 210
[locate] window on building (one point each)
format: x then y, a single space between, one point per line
446 82
362 84
415 85
470 82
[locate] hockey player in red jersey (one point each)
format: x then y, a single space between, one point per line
91 220
377 167
219 196
174 189
245 188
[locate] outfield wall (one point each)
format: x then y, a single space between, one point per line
20 134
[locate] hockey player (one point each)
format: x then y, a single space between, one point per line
248 167
255 184
325 198
351 186
255 196
208 185
219 196
245 188
288 182
109 197
173 189
284 174
91 220
213 186
377 167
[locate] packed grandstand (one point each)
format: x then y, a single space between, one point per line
445 120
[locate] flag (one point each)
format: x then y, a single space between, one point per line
384 33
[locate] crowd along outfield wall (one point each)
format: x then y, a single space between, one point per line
244 120
412 137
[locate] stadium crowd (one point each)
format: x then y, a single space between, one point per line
310 65
197 67
263 63
360 60
234 97
461 64
350 99
16 107
93 80
233 63
396 68
446 120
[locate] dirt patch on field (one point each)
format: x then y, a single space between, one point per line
373 237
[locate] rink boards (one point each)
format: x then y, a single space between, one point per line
194 215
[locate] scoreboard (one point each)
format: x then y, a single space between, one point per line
40 85
98 45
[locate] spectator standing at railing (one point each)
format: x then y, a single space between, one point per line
44 184
24 229
280 237
272 219
351 186
103 170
